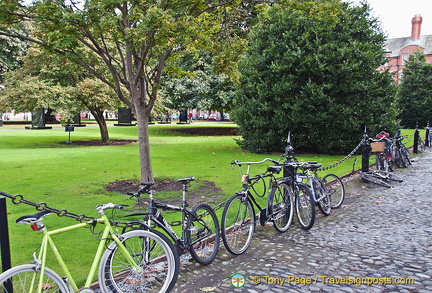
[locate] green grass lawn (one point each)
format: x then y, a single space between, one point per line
39 165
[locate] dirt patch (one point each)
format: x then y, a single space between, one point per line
101 143
203 131
203 192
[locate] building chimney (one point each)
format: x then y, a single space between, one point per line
416 26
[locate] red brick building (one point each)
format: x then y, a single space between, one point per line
398 50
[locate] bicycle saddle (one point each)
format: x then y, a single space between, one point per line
32 219
274 169
187 179
312 166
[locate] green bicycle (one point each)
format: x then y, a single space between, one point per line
136 261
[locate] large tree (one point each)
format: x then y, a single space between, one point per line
311 68
200 87
71 89
126 43
415 92
11 52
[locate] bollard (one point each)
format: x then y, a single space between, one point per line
365 156
416 140
4 236
427 142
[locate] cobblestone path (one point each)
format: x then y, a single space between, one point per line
381 236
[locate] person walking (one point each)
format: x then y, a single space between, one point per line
190 117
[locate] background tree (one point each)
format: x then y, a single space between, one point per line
200 87
127 43
415 92
311 68
49 81
11 51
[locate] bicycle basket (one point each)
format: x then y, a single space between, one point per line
377 147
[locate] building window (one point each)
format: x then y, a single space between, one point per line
405 57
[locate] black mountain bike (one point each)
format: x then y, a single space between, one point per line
239 217
200 226
401 155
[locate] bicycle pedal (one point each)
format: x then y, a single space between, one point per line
269 224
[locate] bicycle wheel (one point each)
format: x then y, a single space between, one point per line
305 206
421 146
379 161
372 179
152 254
405 155
322 197
389 164
172 248
399 158
281 206
25 278
202 233
335 188
238 224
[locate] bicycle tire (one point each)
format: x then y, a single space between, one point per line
421 146
379 165
305 206
238 224
389 164
406 157
154 256
281 206
336 190
372 179
25 277
397 157
322 198
386 164
173 248
202 232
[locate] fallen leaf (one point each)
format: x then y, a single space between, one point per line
208 289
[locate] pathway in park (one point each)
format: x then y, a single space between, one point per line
379 241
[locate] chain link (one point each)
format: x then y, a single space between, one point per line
18 199
344 159
42 206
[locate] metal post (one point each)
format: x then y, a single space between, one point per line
4 236
427 142
365 156
416 140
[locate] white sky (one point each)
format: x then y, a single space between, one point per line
396 15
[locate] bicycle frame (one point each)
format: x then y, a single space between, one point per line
108 233
314 184
249 182
158 219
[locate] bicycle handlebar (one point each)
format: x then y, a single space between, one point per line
236 162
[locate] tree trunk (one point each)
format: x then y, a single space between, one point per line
144 144
100 119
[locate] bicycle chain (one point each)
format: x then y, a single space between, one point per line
42 206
